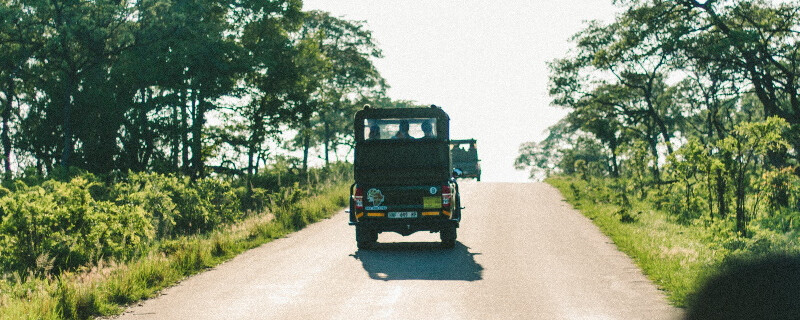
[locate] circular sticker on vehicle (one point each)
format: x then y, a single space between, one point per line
375 196
433 190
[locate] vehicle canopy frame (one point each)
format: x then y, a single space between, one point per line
403 175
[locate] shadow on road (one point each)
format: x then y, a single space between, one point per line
419 261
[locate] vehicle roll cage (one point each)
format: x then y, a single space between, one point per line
442 119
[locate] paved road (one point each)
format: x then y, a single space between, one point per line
522 253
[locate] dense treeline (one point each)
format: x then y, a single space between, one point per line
693 106
129 124
177 86
105 90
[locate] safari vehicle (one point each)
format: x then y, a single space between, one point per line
403 179
465 158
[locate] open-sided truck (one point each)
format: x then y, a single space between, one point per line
403 178
465 158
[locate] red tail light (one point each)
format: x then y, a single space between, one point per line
358 198
446 195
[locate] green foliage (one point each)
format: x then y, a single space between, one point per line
688 165
676 250
780 187
59 226
104 289
131 85
177 206
75 301
718 140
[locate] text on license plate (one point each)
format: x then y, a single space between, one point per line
402 214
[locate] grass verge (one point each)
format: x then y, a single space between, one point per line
107 288
676 257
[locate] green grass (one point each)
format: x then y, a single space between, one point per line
674 256
107 288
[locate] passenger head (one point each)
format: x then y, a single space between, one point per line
427 129
374 132
404 126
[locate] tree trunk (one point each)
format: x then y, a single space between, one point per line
251 152
147 132
70 79
66 100
722 188
136 133
653 143
185 132
662 128
198 170
175 138
250 160
326 132
306 147
614 161
741 215
6 139
256 137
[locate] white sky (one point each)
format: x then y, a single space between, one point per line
483 61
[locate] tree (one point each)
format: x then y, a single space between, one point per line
560 152
79 39
746 144
633 93
350 48
18 42
767 45
307 96
272 74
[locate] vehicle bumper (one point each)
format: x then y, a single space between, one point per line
406 226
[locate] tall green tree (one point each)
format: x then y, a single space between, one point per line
764 37
80 40
350 48
307 96
19 40
272 74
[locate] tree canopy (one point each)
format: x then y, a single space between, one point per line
184 86
682 95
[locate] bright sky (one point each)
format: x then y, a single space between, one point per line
483 61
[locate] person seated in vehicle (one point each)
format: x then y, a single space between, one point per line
459 154
403 132
427 130
374 132
472 153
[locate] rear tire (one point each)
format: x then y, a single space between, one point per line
364 245
366 238
448 236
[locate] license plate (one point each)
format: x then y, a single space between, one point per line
402 214
432 202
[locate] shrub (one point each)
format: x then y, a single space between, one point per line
61 226
178 206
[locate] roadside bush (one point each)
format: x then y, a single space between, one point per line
75 301
284 205
59 226
684 208
781 220
222 201
98 288
178 206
